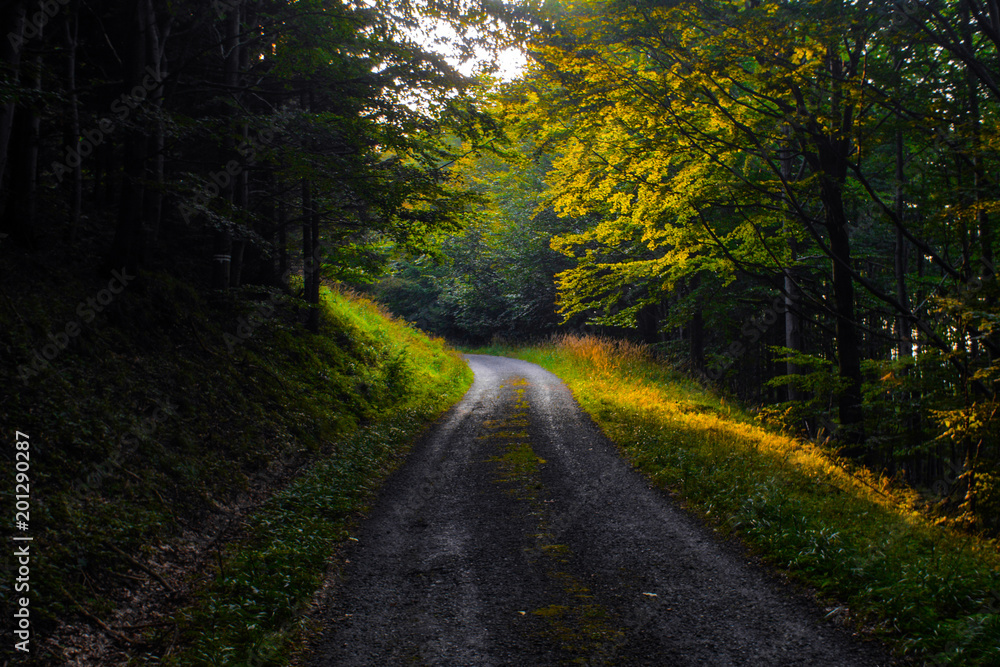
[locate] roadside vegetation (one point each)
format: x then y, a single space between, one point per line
251 611
872 549
195 461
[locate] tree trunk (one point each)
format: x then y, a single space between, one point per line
834 150
848 350
223 257
241 196
127 248
282 222
11 38
235 274
241 202
310 269
72 32
103 187
793 298
983 226
648 323
316 265
903 325
154 100
697 330
21 211
310 242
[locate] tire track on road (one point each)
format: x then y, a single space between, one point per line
515 534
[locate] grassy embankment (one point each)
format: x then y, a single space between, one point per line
251 611
165 418
860 541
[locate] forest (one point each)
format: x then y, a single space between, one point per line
181 184
795 204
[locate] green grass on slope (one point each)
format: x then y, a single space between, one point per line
250 613
860 541
166 412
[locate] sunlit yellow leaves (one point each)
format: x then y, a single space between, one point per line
667 124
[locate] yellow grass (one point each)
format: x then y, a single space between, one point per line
621 370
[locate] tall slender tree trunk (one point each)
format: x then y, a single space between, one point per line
104 167
309 268
310 240
72 31
155 174
793 298
848 343
317 265
241 202
11 41
127 247
904 327
241 182
282 242
983 223
847 340
223 254
697 330
793 329
21 210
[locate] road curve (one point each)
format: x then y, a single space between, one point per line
515 534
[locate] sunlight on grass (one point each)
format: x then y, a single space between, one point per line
859 539
251 611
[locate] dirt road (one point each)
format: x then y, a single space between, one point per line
516 535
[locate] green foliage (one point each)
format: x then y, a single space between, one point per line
495 277
820 385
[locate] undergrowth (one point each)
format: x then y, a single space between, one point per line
861 541
168 414
251 612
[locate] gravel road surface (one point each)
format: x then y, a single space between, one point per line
516 535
